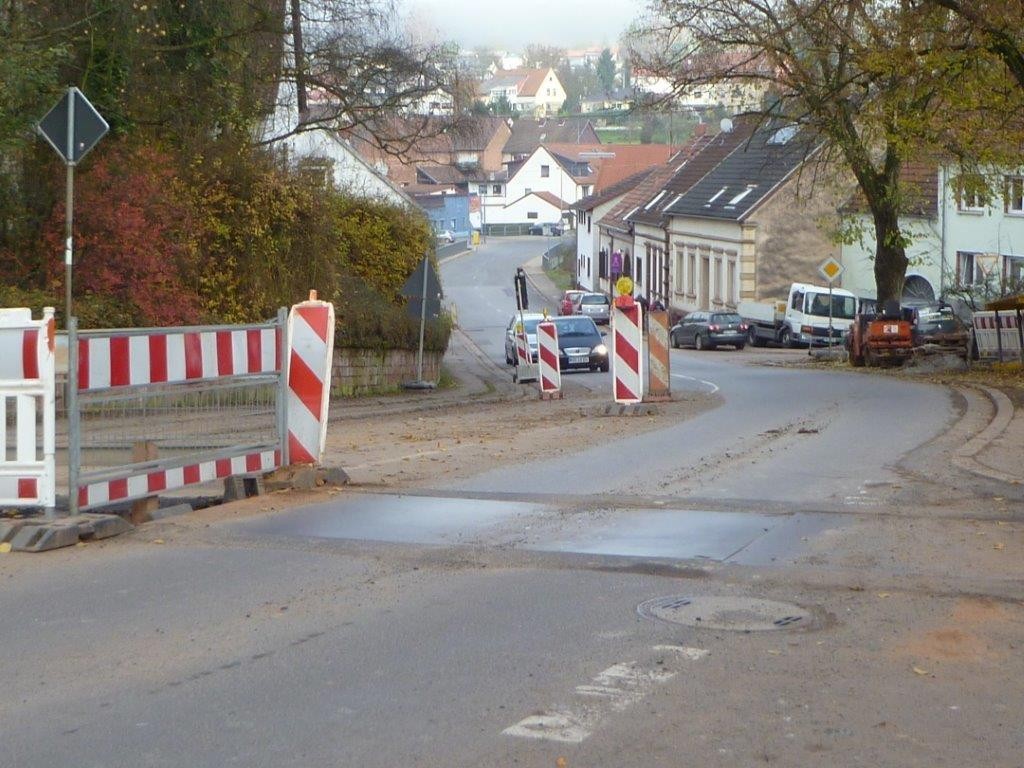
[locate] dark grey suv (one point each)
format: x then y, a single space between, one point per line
707 330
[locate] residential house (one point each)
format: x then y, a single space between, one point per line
528 133
750 227
589 211
587 57
921 221
324 151
566 173
465 153
530 91
959 240
448 211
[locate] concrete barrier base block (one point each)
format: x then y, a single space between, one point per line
41 535
242 487
96 527
632 409
42 538
303 477
8 529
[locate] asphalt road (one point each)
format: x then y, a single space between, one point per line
494 621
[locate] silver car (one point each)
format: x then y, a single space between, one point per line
596 306
530 320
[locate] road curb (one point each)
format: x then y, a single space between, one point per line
965 455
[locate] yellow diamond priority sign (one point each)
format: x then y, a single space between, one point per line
830 269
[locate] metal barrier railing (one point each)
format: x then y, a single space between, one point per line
999 334
154 409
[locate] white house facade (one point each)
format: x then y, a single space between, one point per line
965 241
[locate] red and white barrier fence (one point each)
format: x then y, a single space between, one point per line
550 373
292 355
627 354
999 334
156 356
98 492
659 382
311 352
27 376
526 366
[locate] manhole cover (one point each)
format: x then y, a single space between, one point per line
745 614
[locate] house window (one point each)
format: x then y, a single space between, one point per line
1013 272
639 271
1015 194
971 195
453 223
588 266
602 264
588 223
496 189
527 191
691 275
718 278
730 288
531 214
678 287
545 171
968 270
483 189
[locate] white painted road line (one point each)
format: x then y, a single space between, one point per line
714 387
613 690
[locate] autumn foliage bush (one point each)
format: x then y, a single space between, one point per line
227 239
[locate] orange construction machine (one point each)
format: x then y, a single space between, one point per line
885 338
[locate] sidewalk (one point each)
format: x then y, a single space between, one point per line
997 452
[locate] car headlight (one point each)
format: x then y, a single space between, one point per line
600 349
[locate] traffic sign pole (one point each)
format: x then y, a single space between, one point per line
69 209
72 126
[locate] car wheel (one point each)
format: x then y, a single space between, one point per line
753 338
698 342
786 339
675 341
740 347
604 367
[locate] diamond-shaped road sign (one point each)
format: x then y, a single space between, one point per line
831 269
73 126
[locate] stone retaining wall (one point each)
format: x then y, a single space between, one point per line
367 371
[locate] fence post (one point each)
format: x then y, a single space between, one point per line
282 383
999 336
1020 336
50 415
74 423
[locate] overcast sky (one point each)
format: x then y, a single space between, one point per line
513 24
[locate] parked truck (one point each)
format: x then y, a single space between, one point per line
802 319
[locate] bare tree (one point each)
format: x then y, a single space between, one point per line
350 67
1000 26
876 82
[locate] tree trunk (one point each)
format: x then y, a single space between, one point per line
890 254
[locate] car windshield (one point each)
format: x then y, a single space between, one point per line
726 319
937 320
576 328
843 307
531 325
594 298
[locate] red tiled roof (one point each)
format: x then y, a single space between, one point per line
626 159
552 198
533 81
919 183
